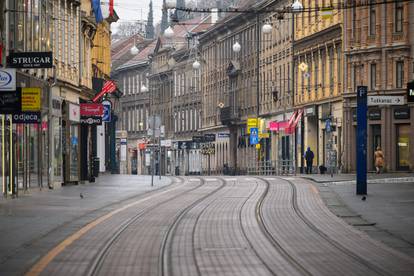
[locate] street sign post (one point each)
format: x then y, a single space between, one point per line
254 136
385 100
361 186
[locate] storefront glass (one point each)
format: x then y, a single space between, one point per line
74 153
57 151
403 150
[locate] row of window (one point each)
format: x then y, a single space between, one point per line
187 120
132 83
135 118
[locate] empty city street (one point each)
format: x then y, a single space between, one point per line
241 225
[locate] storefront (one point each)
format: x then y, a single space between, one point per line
70 142
389 127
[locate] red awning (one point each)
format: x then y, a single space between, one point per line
293 122
108 87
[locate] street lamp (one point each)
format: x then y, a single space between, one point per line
170 4
267 28
144 89
169 32
196 65
236 47
297 7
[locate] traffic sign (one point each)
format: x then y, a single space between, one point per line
385 100
254 136
106 117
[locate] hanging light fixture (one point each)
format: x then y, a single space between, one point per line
134 50
236 47
196 65
266 28
144 89
169 32
297 7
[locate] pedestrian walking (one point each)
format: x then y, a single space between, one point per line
309 160
379 159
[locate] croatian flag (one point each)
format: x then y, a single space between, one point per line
102 9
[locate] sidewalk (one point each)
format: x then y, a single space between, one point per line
387 214
34 222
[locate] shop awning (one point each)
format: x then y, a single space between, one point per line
108 87
293 122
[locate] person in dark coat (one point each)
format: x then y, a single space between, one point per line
309 160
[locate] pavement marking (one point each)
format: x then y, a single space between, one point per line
270 179
38 268
211 179
231 179
194 179
250 179
313 188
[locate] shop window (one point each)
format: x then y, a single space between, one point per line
403 149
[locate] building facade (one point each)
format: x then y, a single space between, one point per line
318 72
378 44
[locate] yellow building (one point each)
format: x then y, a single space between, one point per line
318 82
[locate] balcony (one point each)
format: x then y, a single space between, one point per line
229 115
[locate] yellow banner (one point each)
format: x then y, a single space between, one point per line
251 122
264 135
31 98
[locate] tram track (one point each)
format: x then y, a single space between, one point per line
100 257
321 234
165 263
260 219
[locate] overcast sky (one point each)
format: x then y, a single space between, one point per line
131 10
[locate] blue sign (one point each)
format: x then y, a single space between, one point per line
361 186
328 127
254 136
74 140
106 117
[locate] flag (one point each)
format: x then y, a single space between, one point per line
96 6
107 8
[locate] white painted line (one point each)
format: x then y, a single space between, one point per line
288 178
250 179
211 179
271 179
194 179
231 179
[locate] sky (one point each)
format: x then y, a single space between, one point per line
130 10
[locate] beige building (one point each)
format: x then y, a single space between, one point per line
318 84
379 52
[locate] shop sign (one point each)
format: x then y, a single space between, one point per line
223 135
74 112
251 122
385 100
11 102
119 134
198 139
27 118
209 137
31 98
7 79
310 111
106 117
410 92
402 113
92 120
30 60
91 109
56 106
254 137
374 114
166 143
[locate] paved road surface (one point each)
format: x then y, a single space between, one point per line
222 226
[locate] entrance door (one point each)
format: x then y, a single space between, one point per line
376 140
285 148
403 150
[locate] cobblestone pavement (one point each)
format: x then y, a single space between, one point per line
217 226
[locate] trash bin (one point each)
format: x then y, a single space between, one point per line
96 166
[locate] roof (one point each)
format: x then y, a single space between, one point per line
120 49
141 57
